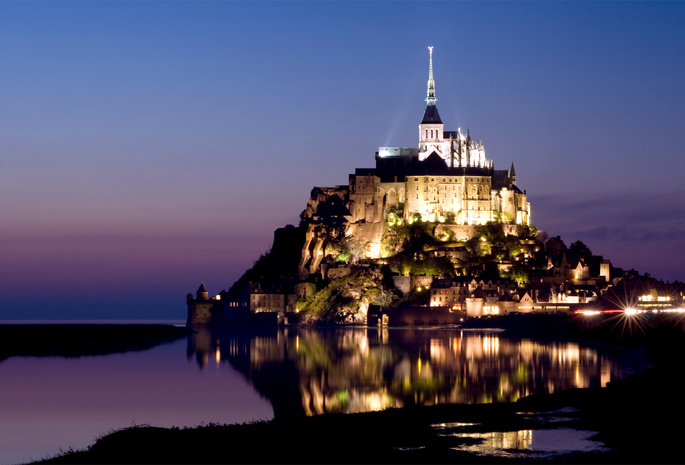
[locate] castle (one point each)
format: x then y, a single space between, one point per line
446 179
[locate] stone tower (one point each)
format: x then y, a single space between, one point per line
431 129
199 308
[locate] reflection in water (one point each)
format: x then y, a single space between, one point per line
494 440
314 371
517 443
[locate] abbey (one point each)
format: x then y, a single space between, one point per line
432 233
446 176
446 179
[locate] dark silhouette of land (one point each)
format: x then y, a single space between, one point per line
75 340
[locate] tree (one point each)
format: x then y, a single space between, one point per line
521 274
542 236
579 251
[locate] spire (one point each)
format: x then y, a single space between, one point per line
431 115
431 83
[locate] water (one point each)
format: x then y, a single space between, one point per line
49 403
555 441
174 322
229 376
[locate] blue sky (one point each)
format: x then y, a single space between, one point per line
148 146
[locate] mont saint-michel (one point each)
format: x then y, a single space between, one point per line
433 234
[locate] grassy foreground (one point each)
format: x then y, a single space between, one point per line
638 418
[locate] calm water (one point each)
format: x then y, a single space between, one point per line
230 376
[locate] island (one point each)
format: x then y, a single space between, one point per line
434 234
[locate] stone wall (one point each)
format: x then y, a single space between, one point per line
462 232
423 316
199 312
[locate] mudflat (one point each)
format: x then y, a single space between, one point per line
74 340
635 419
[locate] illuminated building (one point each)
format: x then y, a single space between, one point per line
654 301
447 175
446 179
476 298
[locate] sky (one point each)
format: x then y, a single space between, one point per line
148 146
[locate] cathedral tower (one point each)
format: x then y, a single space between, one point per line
431 133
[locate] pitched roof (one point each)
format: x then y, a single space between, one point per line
431 115
479 293
434 162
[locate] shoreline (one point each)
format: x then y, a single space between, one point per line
633 432
82 339
632 416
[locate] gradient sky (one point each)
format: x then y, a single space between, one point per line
148 146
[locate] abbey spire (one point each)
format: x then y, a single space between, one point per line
431 137
431 115
431 83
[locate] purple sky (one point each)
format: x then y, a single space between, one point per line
148 146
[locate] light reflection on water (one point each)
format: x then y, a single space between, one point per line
315 371
516 443
231 376
547 441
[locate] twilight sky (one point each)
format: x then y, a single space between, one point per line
148 146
